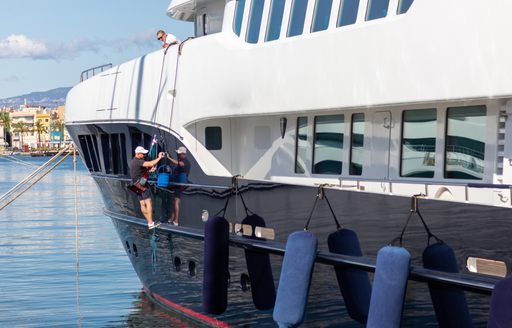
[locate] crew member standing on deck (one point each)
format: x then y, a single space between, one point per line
182 169
167 39
139 168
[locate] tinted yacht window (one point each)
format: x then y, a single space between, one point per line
404 5
377 9
418 143
301 144
328 147
255 14
275 20
93 152
465 142
107 153
321 15
297 17
348 12
213 137
85 152
239 15
357 144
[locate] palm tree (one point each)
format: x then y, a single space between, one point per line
39 127
58 125
21 128
6 120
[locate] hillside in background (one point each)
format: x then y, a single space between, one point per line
51 98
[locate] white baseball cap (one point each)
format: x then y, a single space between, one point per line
181 150
141 150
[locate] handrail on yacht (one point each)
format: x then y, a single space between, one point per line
93 71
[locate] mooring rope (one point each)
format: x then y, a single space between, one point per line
33 183
77 262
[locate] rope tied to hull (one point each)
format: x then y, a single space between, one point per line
322 196
415 210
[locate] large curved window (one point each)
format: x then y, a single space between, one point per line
321 15
404 5
348 12
465 142
418 143
239 15
377 9
253 30
328 150
275 20
297 17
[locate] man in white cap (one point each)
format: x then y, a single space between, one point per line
182 168
139 168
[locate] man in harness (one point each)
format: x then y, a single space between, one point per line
139 171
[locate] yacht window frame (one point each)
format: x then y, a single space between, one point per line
297 134
254 23
369 10
341 10
402 132
353 116
294 14
445 172
314 28
217 130
238 17
342 131
270 20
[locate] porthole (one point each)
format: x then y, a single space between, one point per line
135 250
192 268
128 247
177 264
245 282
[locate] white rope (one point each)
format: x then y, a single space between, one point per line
77 262
30 185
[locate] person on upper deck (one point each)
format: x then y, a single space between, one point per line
182 168
166 38
139 168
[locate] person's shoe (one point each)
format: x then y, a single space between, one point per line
153 225
175 223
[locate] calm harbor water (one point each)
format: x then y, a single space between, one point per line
40 285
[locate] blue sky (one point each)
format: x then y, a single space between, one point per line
46 44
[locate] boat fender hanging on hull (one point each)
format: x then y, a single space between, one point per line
389 286
449 303
295 280
263 289
499 314
216 257
354 284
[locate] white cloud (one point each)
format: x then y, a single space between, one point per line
19 46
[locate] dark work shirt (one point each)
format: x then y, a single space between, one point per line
183 169
136 169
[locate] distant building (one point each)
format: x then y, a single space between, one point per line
44 137
23 139
3 144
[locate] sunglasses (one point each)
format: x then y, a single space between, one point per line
160 38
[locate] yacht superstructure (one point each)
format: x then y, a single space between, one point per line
375 100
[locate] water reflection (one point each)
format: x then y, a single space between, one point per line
38 282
